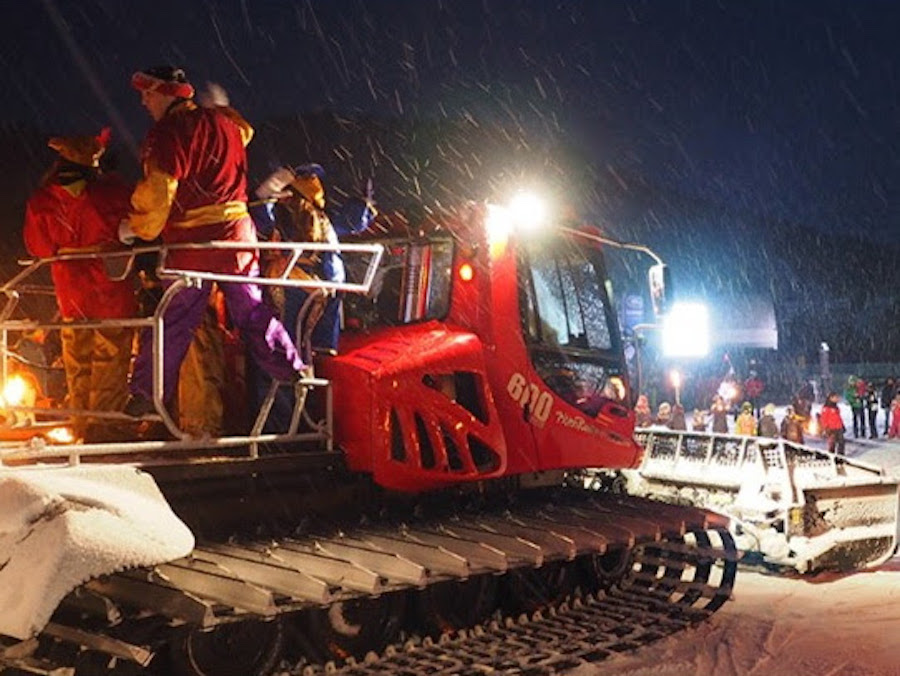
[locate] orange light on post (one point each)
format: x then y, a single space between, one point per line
466 272
19 390
728 391
16 391
812 427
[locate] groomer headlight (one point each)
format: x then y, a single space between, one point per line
525 214
498 222
528 212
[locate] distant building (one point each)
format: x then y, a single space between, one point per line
743 322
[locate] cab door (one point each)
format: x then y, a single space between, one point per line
576 405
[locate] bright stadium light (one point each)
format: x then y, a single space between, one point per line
685 330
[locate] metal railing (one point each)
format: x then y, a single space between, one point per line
28 282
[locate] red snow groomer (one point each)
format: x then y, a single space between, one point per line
430 481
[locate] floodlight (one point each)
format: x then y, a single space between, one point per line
686 330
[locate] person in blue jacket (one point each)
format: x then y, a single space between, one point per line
300 196
291 208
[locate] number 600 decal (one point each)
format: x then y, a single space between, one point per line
529 394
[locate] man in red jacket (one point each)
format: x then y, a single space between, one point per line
194 189
77 209
833 424
753 389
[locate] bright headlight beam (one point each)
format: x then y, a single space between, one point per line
686 331
528 211
498 222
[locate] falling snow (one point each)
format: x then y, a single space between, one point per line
753 145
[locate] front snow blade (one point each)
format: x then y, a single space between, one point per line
793 505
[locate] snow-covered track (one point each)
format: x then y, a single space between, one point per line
670 563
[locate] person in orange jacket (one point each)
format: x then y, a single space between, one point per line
746 422
77 209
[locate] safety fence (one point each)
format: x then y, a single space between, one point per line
27 430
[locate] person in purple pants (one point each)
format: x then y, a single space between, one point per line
194 189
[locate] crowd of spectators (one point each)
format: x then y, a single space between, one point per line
874 408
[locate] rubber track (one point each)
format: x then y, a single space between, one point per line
651 604
682 568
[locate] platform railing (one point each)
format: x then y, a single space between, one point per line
33 280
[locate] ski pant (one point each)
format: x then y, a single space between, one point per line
859 422
201 381
96 363
835 441
268 341
325 335
872 413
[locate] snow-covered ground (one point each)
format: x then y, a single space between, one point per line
828 624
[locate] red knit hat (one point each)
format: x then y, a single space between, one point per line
167 80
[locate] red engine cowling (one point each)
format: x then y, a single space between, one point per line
413 407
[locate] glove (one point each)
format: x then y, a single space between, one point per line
354 217
126 233
274 185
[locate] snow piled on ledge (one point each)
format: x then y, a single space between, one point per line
60 526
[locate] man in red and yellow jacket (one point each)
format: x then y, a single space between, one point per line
194 189
77 210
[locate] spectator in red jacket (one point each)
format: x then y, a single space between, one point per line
77 209
753 389
833 424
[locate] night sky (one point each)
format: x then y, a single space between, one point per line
783 109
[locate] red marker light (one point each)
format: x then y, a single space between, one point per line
466 272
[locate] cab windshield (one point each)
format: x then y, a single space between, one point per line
568 322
